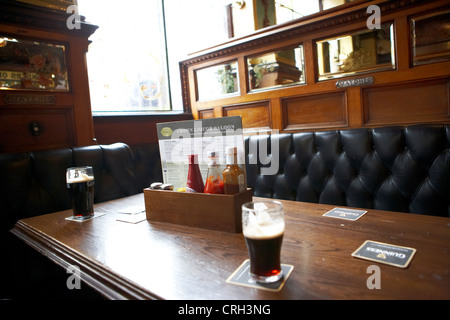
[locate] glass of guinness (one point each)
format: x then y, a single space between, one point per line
80 182
263 229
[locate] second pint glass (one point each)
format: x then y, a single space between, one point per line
80 182
263 229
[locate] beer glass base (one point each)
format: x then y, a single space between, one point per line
81 218
269 279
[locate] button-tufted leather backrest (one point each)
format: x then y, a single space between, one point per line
34 183
403 169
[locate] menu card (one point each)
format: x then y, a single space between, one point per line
179 139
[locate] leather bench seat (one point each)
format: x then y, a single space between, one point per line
404 169
391 168
33 183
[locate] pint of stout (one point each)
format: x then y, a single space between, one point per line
80 182
263 229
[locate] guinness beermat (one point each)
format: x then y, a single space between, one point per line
241 277
345 213
393 255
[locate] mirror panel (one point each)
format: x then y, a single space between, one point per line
362 51
32 65
277 68
431 38
216 81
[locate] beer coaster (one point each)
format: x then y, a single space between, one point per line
241 277
385 253
344 213
83 219
132 218
132 210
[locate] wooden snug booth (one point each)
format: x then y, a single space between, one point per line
410 88
40 116
403 77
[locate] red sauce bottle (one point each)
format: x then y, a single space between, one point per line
194 179
214 181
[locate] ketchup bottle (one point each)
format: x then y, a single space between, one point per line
194 179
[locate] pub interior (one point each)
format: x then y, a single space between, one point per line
350 100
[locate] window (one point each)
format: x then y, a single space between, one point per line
126 59
133 58
186 30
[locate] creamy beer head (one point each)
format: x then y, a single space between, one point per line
79 174
81 177
261 226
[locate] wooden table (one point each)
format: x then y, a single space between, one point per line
151 260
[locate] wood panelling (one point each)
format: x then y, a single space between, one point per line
402 95
55 129
206 114
422 101
254 115
68 121
315 111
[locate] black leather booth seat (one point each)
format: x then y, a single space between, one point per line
33 183
404 169
392 168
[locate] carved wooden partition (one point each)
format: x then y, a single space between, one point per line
404 78
44 89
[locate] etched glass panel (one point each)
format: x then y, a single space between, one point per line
32 65
277 68
359 52
217 81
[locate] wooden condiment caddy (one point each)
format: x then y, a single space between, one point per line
209 211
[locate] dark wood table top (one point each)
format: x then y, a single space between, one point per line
155 260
